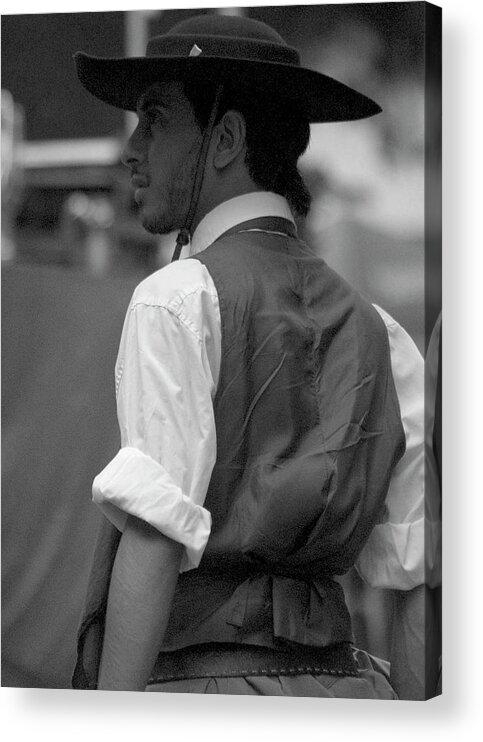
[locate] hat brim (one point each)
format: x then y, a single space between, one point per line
120 82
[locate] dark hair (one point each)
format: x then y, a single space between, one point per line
276 137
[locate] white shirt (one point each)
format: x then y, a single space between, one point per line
166 378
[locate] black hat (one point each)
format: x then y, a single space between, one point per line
224 49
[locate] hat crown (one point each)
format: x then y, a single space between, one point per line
227 25
219 36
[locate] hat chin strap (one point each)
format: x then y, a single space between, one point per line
184 234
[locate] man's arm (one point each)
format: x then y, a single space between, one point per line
416 644
140 595
402 551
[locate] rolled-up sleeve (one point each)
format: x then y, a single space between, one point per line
165 380
403 550
134 484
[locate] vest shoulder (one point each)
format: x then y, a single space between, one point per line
255 249
239 262
251 239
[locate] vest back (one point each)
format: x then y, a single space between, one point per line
308 433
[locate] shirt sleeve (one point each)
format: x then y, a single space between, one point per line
403 550
165 381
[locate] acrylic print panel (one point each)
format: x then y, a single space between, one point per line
73 251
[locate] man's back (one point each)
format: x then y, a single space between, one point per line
308 433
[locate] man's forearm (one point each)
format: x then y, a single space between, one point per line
143 580
415 644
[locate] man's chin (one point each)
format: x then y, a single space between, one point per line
156 225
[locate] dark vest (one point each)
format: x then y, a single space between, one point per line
308 433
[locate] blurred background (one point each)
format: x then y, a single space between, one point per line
72 252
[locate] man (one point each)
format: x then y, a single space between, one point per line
260 425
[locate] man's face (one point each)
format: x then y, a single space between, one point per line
161 154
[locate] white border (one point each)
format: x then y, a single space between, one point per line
59 715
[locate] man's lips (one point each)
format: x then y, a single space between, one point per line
139 183
138 195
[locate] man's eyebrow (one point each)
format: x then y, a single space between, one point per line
151 99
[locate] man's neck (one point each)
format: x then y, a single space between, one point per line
210 203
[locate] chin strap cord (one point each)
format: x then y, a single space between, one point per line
184 234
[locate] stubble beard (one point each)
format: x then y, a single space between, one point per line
155 225
178 197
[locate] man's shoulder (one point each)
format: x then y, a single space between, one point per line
172 283
405 354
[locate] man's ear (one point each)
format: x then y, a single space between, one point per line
229 138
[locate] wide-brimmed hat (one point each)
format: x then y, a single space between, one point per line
224 49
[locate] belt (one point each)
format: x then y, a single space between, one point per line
242 660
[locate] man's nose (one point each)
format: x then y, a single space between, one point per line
131 154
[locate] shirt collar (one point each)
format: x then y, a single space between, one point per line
235 211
